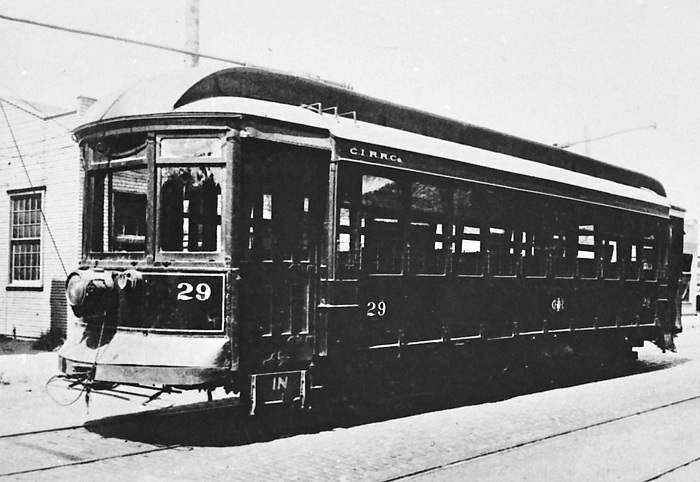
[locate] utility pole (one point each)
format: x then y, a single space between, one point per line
192 27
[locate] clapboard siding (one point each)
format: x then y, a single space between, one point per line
49 161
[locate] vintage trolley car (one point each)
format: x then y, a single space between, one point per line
288 239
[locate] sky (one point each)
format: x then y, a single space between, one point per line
623 74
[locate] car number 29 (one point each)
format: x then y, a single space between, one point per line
376 308
201 292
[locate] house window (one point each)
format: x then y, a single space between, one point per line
25 238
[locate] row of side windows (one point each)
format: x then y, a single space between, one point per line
393 225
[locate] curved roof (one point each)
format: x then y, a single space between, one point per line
173 93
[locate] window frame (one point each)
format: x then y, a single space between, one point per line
375 223
33 284
283 203
439 223
93 211
221 162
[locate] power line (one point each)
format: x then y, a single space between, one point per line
52 118
121 39
31 185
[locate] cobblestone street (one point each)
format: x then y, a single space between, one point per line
374 451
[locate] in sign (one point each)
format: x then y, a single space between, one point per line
280 383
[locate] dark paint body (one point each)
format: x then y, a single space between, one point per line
283 297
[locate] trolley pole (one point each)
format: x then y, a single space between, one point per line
587 140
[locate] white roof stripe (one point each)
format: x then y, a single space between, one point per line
407 141
393 138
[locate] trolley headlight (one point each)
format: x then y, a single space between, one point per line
89 292
75 289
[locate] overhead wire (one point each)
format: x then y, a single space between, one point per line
120 39
52 118
43 153
31 185
34 137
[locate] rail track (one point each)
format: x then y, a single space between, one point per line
43 451
46 450
438 471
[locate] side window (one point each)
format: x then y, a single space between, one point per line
349 242
381 222
611 257
283 202
467 257
587 260
25 238
428 231
649 257
467 253
501 214
630 251
503 247
259 202
563 265
534 252
562 241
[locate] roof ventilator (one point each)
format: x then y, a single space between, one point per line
318 108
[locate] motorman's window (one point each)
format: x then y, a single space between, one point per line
119 200
191 183
190 208
428 232
381 225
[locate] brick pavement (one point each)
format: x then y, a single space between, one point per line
387 449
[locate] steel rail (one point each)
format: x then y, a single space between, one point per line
200 407
463 461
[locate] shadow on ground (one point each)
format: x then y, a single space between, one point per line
223 423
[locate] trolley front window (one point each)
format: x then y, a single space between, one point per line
119 210
190 208
147 191
118 193
190 186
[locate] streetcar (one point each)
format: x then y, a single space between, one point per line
295 242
